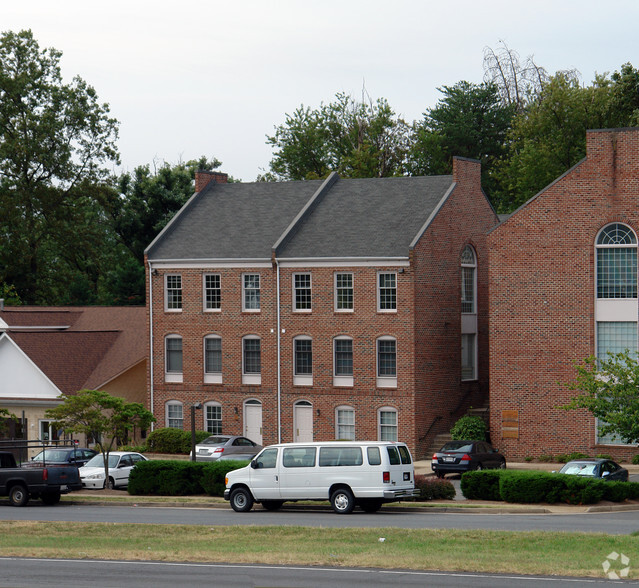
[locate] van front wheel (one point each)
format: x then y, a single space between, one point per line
342 501
241 500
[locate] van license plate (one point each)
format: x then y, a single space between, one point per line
406 476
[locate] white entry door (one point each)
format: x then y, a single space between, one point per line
253 420
303 420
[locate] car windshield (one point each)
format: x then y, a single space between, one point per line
51 455
457 446
579 469
214 441
97 461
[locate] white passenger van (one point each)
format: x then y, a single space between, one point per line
348 473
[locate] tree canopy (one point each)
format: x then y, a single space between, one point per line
609 389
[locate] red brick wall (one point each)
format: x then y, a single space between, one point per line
542 297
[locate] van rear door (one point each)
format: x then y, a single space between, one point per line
401 468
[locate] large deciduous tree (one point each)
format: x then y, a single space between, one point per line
358 139
609 389
56 141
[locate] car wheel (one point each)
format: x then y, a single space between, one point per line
272 504
18 496
110 484
241 500
371 505
50 498
342 501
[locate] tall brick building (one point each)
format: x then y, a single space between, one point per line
344 308
563 286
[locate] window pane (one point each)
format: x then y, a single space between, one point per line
174 292
252 291
252 356
468 289
214 419
174 414
346 424
302 291
343 357
213 355
174 354
388 425
303 357
617 273
386 358
387 292
344 291
468 357
213 292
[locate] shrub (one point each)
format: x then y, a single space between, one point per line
214 473
635 459
469 427
526 487
481 485
434 489
565 458
175 441
166 478
545 458
528 458
603 456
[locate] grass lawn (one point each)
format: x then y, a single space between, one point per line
570 554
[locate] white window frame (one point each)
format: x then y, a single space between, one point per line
295 290
469 265
302 379
338 379
205 291
246 290
173 376
387 426
169 304
384 381
173 403
337 290
251 378
339 411
379 292
211 377
213 431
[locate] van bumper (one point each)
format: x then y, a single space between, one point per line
227 494
399 494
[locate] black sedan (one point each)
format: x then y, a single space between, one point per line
456 457
77 456
604 469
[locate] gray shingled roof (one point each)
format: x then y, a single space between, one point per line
376 217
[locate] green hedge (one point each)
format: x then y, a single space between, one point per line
180 478
534 487
170 440
433 488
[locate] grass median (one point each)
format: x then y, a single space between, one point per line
548 553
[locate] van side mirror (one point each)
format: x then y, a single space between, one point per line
254 464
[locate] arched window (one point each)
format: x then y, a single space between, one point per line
342 361
213 359
174 414
617 262
173 358
251 360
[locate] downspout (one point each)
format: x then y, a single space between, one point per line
279 359
151 338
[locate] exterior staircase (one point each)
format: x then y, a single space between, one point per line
438 443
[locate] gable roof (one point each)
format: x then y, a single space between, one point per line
79 347
334 218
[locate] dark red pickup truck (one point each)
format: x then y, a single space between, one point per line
46 482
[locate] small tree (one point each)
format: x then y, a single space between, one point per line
609 389
101 416
469 427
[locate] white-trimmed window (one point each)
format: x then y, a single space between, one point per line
251 292
617 262
302 292
174 414
173 359
344 292
213 418
212 292
469 356
386 362
345 423
303 361
387 424
173 292
387 292
251 360
212 359
343 361
468 280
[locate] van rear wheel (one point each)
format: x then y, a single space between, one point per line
241 500
342 501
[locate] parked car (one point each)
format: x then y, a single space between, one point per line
77 456
456 457
120 465
605 469
215 446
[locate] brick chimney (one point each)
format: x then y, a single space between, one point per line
466 170
203 178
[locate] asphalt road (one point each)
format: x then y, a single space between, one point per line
625 522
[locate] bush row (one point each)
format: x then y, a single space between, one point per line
533 487
180 478
170 440
434 489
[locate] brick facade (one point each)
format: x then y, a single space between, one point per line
542 299
426 326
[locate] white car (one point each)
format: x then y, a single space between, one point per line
120 465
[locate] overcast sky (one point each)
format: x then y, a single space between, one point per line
204 77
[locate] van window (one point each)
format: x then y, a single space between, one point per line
374 456
298 457
393 456
404 453
267 458
340 456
